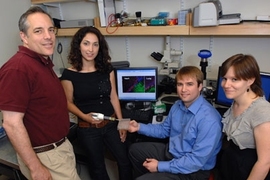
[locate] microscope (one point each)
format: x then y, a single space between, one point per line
204 54
170 67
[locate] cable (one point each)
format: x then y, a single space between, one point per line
110 22
59 51
59 48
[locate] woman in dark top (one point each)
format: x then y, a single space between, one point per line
89 85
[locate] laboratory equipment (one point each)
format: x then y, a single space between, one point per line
207 13
170 67
204 54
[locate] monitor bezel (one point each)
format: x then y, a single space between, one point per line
137 68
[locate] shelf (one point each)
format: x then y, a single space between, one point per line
132 30
243 29
146 31
67 31
143 30
54 1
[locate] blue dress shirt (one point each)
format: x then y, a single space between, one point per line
194 136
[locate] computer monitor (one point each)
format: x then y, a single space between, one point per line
221 99
265 77
137 83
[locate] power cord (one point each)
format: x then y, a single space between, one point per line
111 20
59 51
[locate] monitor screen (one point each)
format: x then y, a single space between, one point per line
137 83
265 77
221 99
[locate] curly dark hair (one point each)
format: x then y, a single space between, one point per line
103 59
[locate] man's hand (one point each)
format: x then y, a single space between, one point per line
151 165
133 126
41 173
18 136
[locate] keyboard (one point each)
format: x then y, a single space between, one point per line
138 115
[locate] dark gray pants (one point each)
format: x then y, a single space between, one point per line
138 152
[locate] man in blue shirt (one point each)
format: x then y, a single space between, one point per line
194 129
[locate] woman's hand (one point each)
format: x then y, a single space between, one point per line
123 135
89 118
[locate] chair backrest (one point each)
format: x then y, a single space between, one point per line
120 64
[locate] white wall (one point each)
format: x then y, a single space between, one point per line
137 49
10 11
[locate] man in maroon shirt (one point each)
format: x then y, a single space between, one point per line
34 105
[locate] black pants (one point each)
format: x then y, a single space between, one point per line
236 164
93 141
138 152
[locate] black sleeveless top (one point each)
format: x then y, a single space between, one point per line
91 91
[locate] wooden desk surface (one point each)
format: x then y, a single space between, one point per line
7 153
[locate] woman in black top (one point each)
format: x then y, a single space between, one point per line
90 87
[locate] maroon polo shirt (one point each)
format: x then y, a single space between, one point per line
29 85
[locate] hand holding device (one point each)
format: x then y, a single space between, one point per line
100 116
